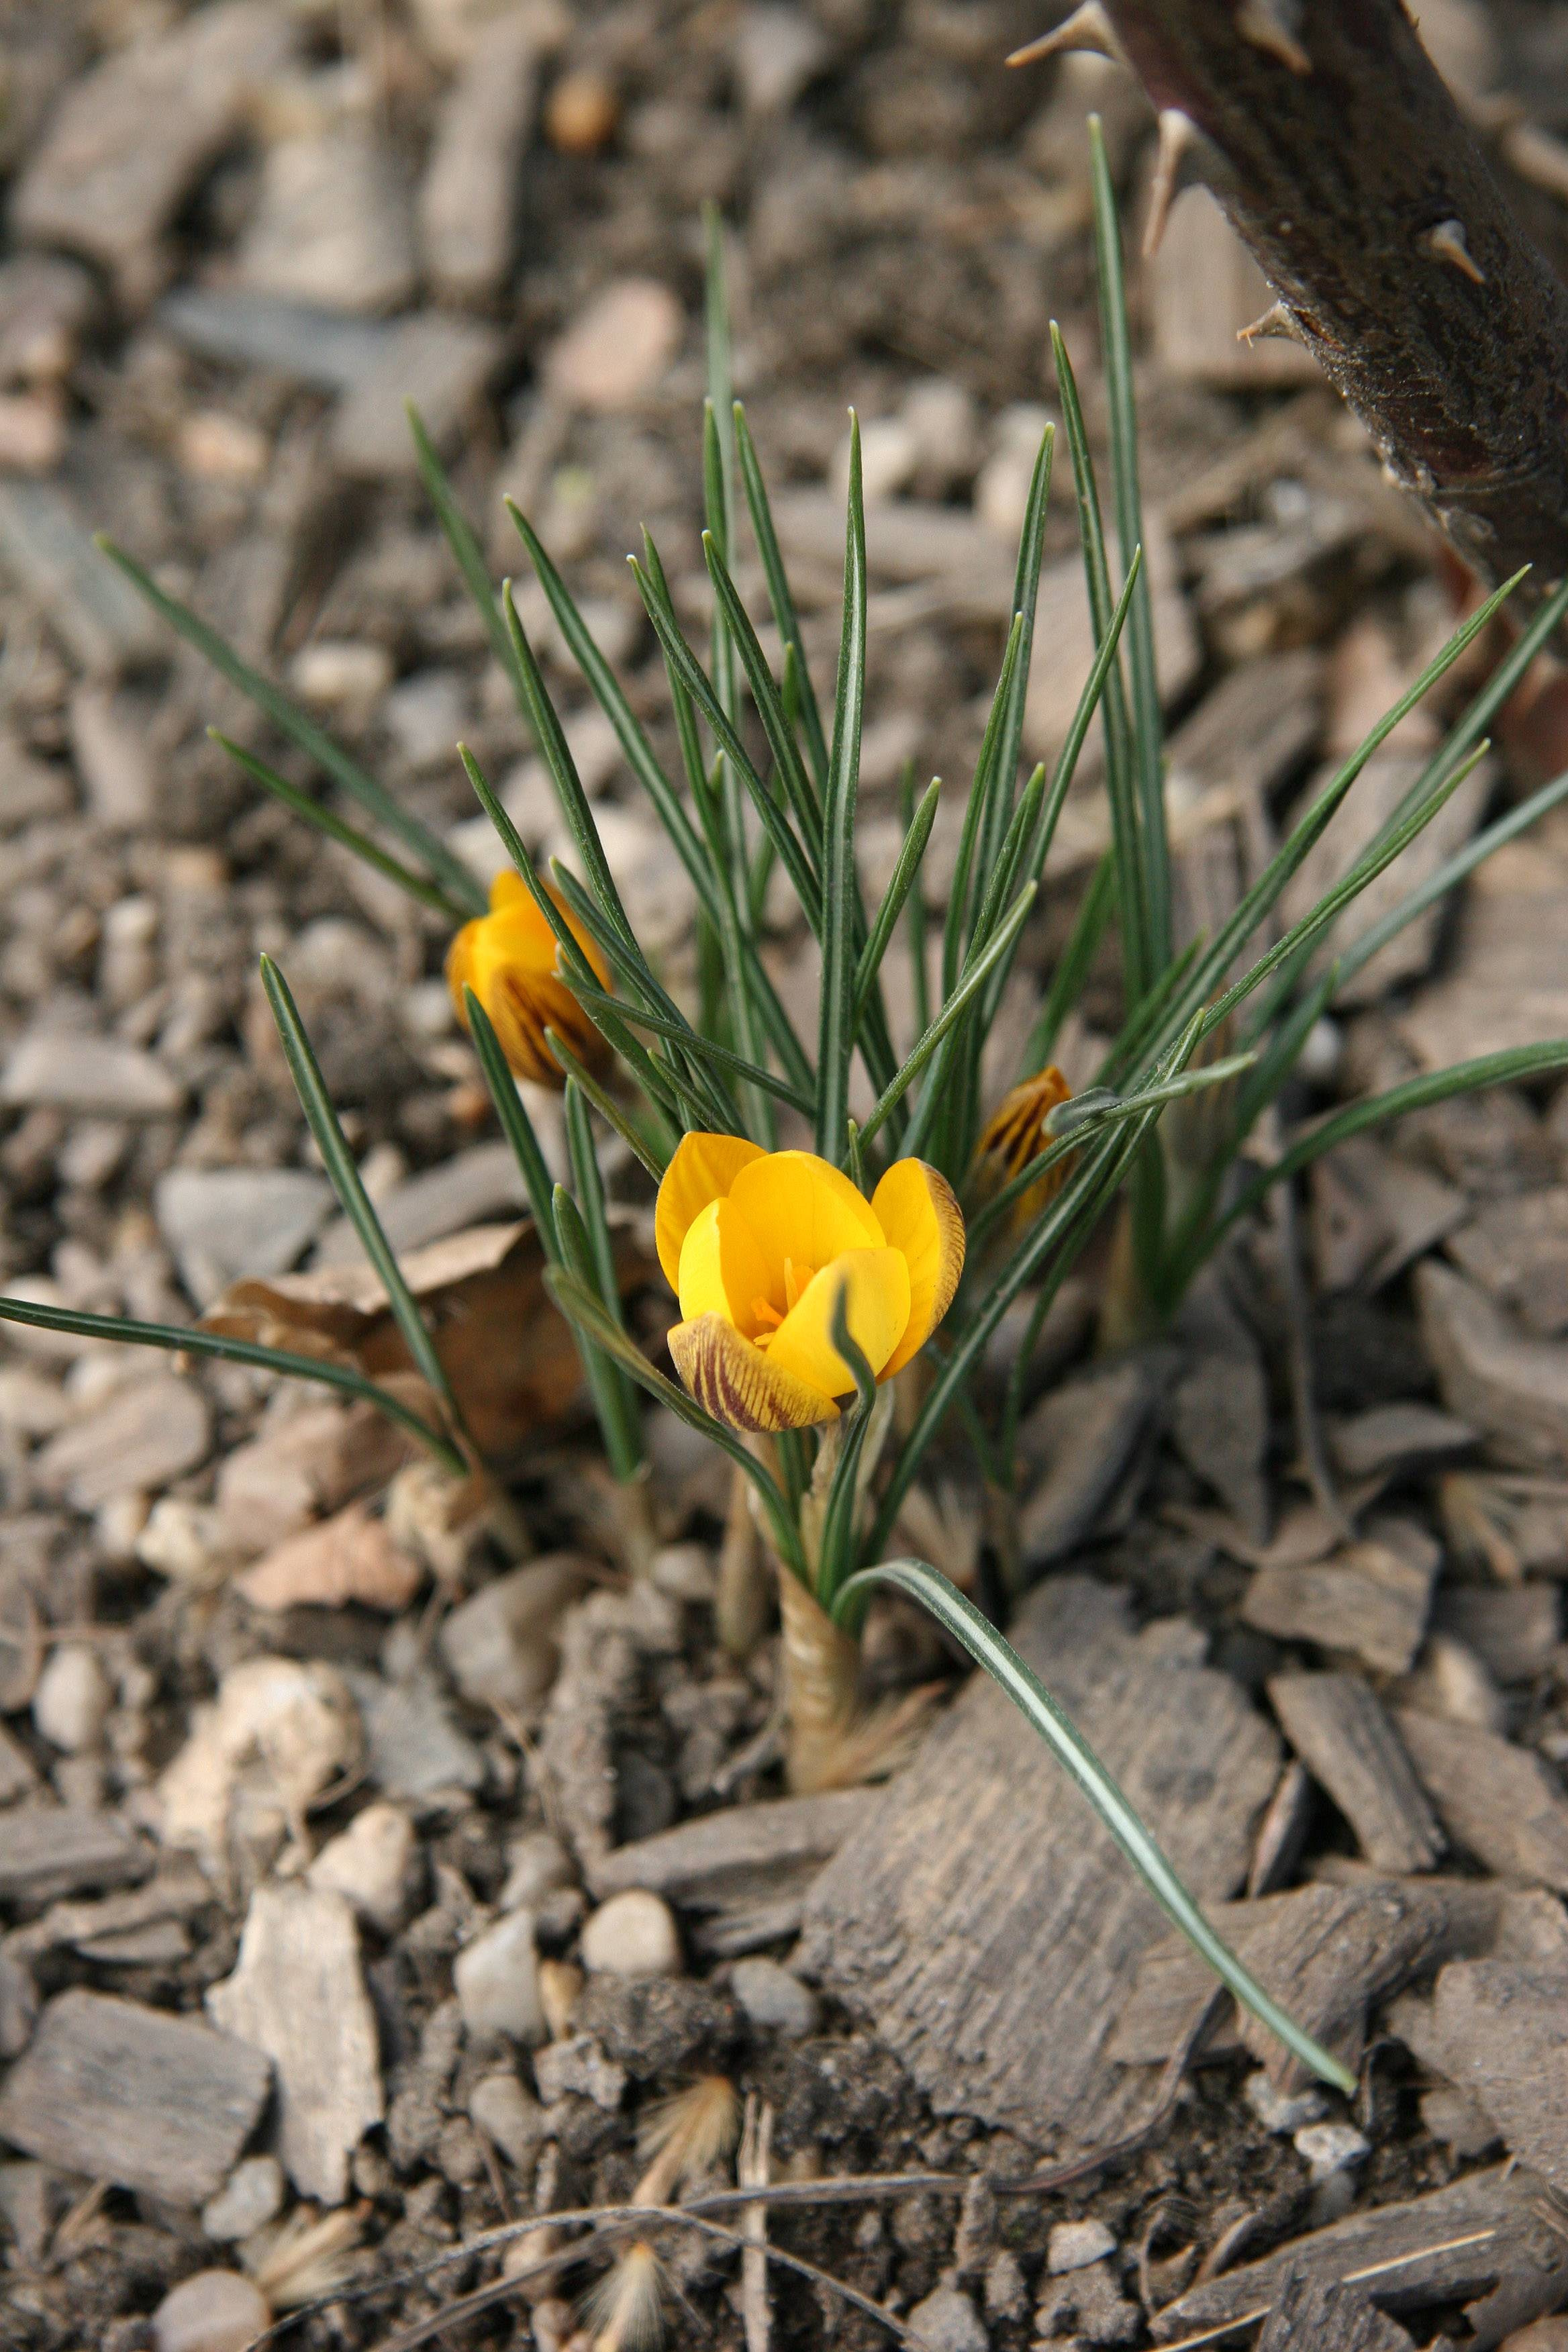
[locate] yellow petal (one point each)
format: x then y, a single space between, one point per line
922 1218
876 1283
722 1271
703 1169
734 1380
460 968
801 1208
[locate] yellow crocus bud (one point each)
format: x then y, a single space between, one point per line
1017 1134
510 959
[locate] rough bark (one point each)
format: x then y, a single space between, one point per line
1343 161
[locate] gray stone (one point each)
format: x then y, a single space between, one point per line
506 2113
212 2311
73 1698
500 1644
99 182
947 2321
631 1935
579 2065
774 1999
414 1749
1073 2245
95 1077
224 1223
495 1979
148 1433
467 200
331 225
471 1187
47 551
1493 1375
297 1992
1330 2148
371 1864
1281 2111
30 788
251 2197
131 2095
439 362
288 338
537 1866
49 1850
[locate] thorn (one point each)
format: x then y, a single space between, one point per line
1447 242
1089 27
1271 25
1178 135
1276 320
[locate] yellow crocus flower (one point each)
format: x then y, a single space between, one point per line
1013 1136
757 1246
508 958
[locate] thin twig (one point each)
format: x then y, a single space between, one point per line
1298 1361
752 2171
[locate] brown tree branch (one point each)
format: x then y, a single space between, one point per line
1343 161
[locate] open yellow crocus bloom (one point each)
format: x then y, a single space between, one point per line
509 959
757 1246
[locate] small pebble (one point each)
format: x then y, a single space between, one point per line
948 2322
1277 2113
775 1999
631 1935
581 112
249 2198
214 2311
536 1867
497 1982
371 1862
506 2114
580 2066
73 1697
1073 2245
685 1572
1330 2148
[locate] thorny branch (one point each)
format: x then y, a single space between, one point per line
1332 143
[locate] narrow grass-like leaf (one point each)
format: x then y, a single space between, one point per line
612 1396
840 882
579 1303
606 690
1121 414
556 753
835 1561
327 821
594 1001
1221 951
1026 600
780 598
515 1123
349 1185
954 931
186 1339
1063 1228
904 877
995 1654
1088 1114
799 791
1073 970
1450 874
1334 902
1514 1066
654 1159
952 1011
442 863
690 671
462 537
915 914
1121 784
